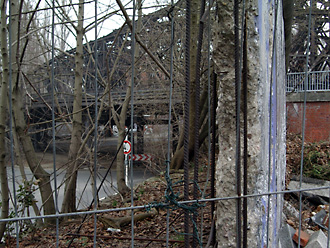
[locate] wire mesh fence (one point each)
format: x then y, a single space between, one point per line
110 132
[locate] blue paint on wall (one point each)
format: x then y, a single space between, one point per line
266 55
274 142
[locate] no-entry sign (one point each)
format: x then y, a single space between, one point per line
127 147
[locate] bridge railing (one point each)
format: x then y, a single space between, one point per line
317 81
145 96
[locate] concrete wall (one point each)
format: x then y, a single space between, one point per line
266 129
317 122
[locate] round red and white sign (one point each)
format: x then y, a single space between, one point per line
127 147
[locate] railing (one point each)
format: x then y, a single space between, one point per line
317 81
147 96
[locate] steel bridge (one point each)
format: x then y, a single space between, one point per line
113 65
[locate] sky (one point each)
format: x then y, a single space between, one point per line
103 8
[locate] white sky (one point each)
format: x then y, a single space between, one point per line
111 23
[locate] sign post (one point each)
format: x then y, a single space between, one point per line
127 150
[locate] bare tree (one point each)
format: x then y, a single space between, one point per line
43 178
177 160
69 202
3 116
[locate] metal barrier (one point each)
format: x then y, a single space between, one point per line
83 180
316 81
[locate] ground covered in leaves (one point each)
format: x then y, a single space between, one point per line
150 231
316 159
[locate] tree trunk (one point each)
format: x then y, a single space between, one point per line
121 222
69 201
3 118
21 128
120 168
43 178
177 160
122 187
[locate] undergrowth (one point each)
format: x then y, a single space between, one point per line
316 159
